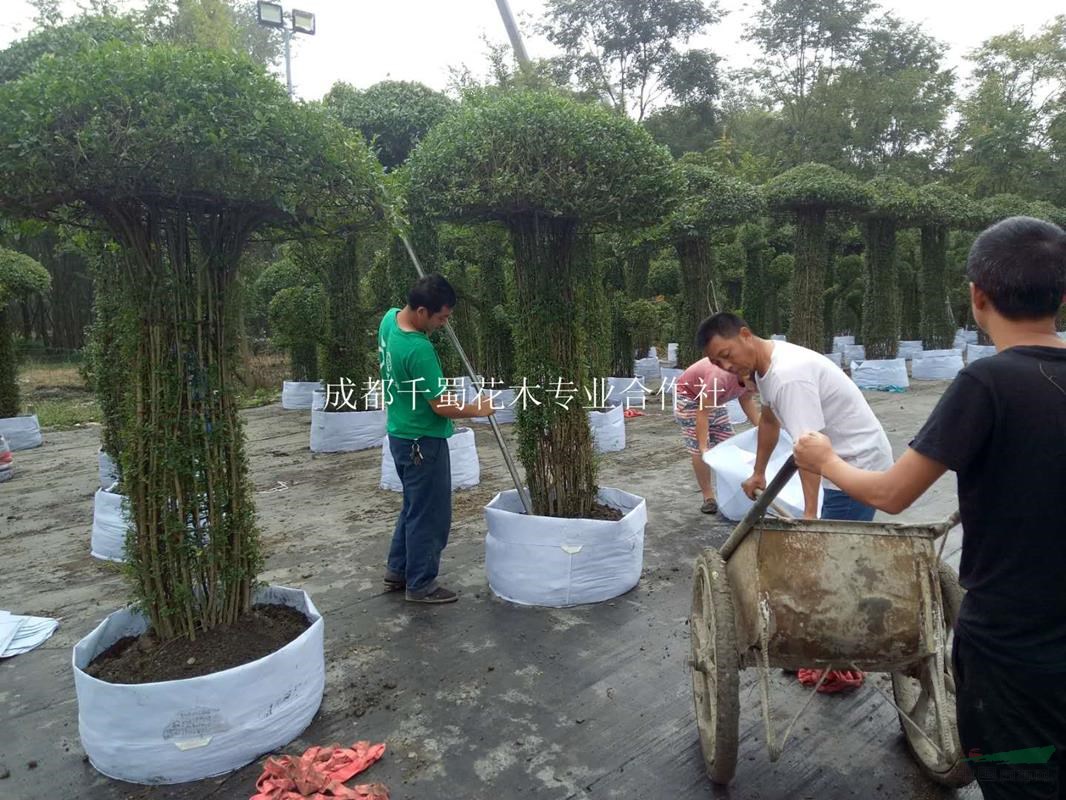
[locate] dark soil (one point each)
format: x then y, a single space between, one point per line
143 659
600 511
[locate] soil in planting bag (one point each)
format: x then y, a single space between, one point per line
836 357
546 561
839 342
733 461
107 468
297 395
462 452
670 377
885 375
647 369
22 433
975 352
937 365
671 353
854 352
110 522
908 349
503 400
608 429
185 730
627 392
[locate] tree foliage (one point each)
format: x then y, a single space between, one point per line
20 275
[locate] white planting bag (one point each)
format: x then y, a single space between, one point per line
937 365
107 468
545 561
837 357
504 403
22 433
975 352
608 429
670 377
627 392
653 353
671 353
964 337
298 395
779 337
909 349
839 342
733 461
854 352
185 730
889 374
647 369
111 520
462 452
736 413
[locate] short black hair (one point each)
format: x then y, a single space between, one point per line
724 324
433 292
1020 263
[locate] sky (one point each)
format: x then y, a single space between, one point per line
365 41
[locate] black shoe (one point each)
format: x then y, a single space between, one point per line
393 583
709 506
436 597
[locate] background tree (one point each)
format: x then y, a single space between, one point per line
547 167
20 275
298 309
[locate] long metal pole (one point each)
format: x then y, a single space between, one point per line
513 33
523 495
287 36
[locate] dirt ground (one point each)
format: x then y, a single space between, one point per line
480 699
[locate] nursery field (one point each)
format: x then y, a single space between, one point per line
477 700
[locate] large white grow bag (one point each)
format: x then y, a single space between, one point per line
503 401
22 433
111 520
839 342
854 352
962 338
733 461
185 730
628 392
909 349
736 413
882 374
608 429
107 468
937 365
653 352
837 357
344 431
671 353
647 369
298 395
975 352
462 452
670 378
780 337
545 561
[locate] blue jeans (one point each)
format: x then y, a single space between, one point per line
839 505
426 516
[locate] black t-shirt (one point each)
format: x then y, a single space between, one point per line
1001 427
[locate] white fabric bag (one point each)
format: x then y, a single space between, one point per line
937 365
887 374
462 453
608 429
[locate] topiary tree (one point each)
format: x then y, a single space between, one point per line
708 199
298 310
779 275
752 238
20 276
809 193
182 155
892 203
847 292
548 168
940 210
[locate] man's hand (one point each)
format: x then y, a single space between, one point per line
757 481
813 452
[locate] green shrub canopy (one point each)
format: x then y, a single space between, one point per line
815 186
710 198
942 206
20 275
891 199
524 153
1041 209
1000 206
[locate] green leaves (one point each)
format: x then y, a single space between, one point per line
21 275
891 199
942 206
710 198
815 186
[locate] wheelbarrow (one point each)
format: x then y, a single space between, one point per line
826 594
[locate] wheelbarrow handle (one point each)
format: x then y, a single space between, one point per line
756 512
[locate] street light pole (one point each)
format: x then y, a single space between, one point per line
287 36
272 15
513 33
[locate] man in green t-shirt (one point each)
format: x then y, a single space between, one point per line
420 414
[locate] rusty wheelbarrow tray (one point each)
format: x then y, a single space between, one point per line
826 594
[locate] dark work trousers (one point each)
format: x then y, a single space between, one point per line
426 517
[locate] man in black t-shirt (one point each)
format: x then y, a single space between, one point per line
1001 427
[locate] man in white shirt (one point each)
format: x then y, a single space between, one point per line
803 391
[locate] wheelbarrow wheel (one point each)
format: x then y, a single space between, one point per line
915 693
715 667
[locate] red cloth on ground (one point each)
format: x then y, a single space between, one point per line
319 774
838 680
629 413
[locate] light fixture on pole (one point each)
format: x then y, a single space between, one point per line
272 15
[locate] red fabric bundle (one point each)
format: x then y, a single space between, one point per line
320 773
838 680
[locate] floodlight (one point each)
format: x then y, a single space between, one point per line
270 14
303 21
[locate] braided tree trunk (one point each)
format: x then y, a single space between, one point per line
754 300
938 329
349 345
554 443
594 310
808 280
697 273
621 354
497 346
9 388
880 317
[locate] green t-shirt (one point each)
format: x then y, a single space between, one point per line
410 376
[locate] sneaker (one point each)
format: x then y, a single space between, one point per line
436 597
393 582
709 506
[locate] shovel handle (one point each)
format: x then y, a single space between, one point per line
756 512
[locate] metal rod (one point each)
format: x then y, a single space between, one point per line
513 33
755 513
287 36
523 494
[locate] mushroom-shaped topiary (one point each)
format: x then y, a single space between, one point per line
709 200
1049 212
547 167
298 310
20 276
810 192
892 204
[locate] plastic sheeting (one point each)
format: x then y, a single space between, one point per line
886 375
733 461
547 561
908 348
462 452
111 520
22 433
608 429
647 369
185 730
297 395
107 468
839 342
854 352
975 352
937 365
344 431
